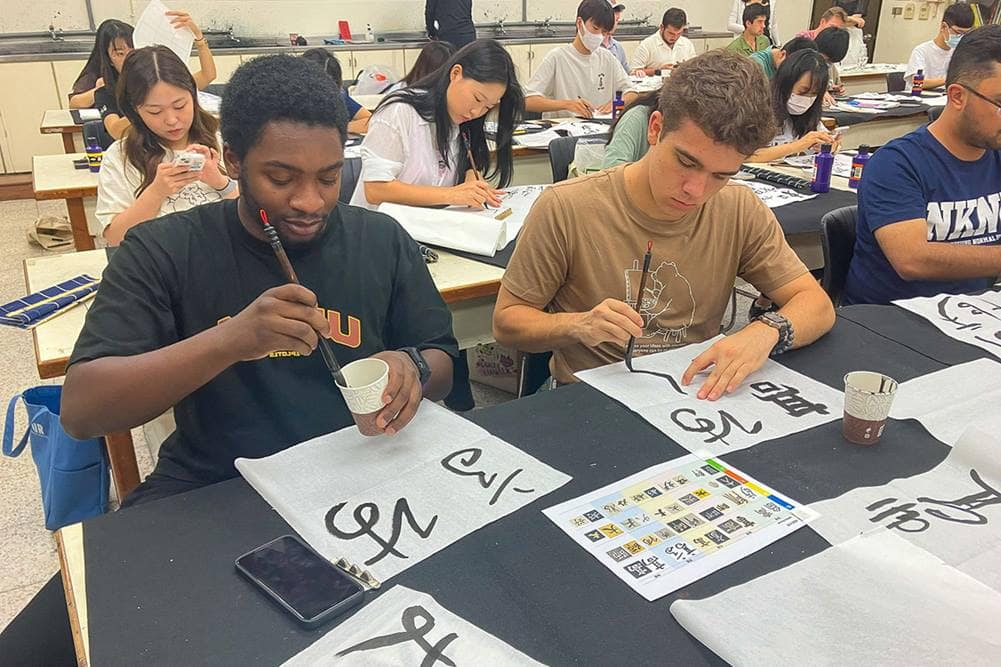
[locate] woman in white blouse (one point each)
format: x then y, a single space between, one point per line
734 24
139 180
415 152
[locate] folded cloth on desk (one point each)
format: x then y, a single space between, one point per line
459 230
35 308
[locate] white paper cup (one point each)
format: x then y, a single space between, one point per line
868 397
367 380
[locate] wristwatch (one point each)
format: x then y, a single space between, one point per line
783 326
422 366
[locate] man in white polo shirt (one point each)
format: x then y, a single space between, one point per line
665 48
581 78
933 57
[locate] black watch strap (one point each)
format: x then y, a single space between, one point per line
422 366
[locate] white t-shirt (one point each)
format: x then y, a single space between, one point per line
654 52
400 146
566 74
929 57
118 180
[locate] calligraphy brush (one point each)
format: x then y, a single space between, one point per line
326 350
476 171
631 347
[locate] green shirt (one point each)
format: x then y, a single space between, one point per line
764 58
740 45
629 139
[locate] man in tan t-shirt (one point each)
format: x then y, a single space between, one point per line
571 284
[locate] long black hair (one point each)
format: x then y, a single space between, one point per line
649 99
485 61
806 61
328 63
99 63
432 56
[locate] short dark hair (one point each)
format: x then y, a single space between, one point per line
701 87
597 10
959 16
798 44
328 62
674 17
833 44
752 12
976 57
276 88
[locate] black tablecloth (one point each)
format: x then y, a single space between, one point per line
845 118
161 588
501 258
804 217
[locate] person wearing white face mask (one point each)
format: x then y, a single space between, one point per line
933 57
797 92
580 79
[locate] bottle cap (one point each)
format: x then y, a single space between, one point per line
826 148
864 149
618 93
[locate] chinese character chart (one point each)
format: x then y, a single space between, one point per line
674 523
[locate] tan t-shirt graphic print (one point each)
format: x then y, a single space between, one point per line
584 241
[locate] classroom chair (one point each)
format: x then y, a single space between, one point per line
561 152
349 179
895 82
534 372
837 237
934 113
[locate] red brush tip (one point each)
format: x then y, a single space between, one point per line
649 244
264 217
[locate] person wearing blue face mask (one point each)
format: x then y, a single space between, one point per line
797 101
933 56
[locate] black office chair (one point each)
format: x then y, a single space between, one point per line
837 237
94 130
895 82
934 113
350 173
534 372
561 152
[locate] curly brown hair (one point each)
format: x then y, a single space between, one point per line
143 69
726 95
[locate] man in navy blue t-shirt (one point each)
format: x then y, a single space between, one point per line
929 202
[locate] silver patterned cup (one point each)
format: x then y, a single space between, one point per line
367 380
868 397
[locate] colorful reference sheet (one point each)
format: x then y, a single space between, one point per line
771 403
406 627
667 526
386 503
967 318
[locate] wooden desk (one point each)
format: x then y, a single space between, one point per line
59 121
868 79
53 177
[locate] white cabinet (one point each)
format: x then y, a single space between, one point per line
224 66
66 73
521 54
21 116
358 60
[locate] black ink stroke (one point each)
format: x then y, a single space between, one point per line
367 524
703 425
434 653
468 457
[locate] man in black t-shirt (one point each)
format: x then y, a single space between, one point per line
195 312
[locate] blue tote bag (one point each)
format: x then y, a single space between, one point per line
74 473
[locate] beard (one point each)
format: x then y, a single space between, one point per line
974 135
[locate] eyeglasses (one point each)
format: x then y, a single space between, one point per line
997 105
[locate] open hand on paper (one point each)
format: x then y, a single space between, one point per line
611 321
474 193
403 393
733 358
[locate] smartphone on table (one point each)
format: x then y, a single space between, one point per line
301 581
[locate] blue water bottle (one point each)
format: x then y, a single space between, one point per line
823 166
858 166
